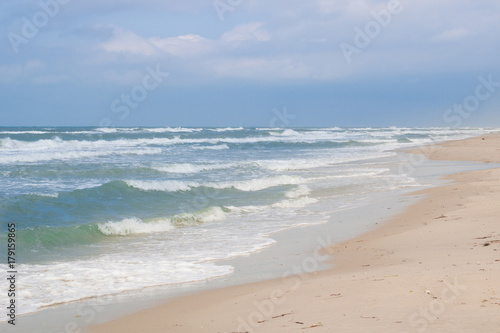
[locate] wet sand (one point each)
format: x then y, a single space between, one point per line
434 268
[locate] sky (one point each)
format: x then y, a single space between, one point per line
265 63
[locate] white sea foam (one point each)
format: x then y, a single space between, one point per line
170 129
164 186
287 132
57 143
219 143
354 173
48 156
204 216
106 130
49 195
181 248
267 209
105 275
128 129
266 129
291 132
227 129
297 199
287 136
259 183
331 129
294 164
300 191
80 132
295 203
136 226
192 168
133 226
251 185
215 147
23 132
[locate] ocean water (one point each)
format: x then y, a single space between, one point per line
105 210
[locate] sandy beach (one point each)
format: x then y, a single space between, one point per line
433 268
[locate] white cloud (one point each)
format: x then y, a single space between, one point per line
185 45
352 7
286 39
246 32
451 35
128 42
11 73
314 66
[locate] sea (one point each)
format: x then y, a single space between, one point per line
102 211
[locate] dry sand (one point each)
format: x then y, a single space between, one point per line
434 268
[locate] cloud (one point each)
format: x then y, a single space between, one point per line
184 45
246 32
262 68
127 42
451 35
124 41
12 73
280 40
190 45
313 66
352 7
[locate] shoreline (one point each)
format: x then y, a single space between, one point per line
259 266
406 261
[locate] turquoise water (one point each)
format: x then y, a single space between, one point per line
105 210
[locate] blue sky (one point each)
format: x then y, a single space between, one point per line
232 62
